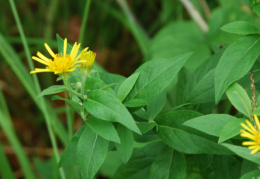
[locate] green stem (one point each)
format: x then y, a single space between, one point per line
37 84
8 129
67 84
84 21
70 119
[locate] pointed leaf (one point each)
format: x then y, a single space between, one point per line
91 153
231 129
103 128
154 72
189 143
156 106
52 90
104 105
125 148
239 98
126 86
235 62
210 124
240 27
243 152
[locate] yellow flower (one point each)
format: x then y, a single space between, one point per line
61 63
253 134
87 58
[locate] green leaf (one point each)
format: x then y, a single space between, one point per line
189 143
52 90
240 27
256 8
108 86
231 129
235 62
126 86
210 124
74 104
156 106
170 164
239 98
125 148
203 91
140 162
91 153
251 174
146 126
135 103
103 128
243 152
104 105
172 40
92 82
69 156
154 72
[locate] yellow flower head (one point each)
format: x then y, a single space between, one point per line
61 63
251 133
87 58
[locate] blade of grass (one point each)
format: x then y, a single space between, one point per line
6 124
139 34
5 168
84 22
42 101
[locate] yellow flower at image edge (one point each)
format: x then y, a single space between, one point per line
253 134
61 63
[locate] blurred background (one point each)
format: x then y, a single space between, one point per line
123 33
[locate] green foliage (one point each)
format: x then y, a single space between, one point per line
235 62
105 106
178 115
239 98
155 72
240 27
52 90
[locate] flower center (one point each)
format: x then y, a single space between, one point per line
61 64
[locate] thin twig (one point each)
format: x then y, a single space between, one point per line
205 8
195 15
253 100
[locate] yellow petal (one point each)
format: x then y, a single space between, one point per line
257 122
38 70
39 54
65 47
251 126
247 128
254 151
40 60
249 143
49 50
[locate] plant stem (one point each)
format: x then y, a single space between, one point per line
38 89
84 21
70 118
195 15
